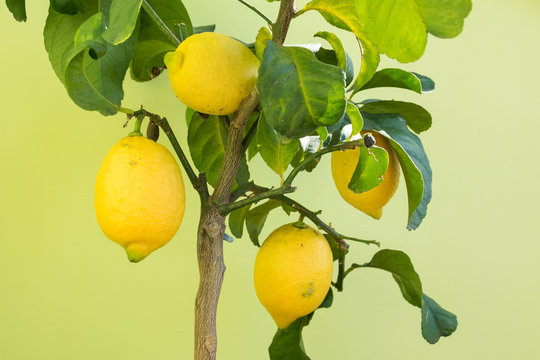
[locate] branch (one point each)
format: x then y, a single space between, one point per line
272 193
281 26
311 157
160 23
259 12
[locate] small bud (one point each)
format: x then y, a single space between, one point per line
156 71
369 140
152 131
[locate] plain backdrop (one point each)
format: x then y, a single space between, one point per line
67 292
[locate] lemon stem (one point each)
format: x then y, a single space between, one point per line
137 128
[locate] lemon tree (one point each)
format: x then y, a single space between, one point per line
292 105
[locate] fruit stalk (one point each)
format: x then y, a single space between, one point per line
212 224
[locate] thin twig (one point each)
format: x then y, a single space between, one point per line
258 12
225 209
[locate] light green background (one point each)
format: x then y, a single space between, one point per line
66 292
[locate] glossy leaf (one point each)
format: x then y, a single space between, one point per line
329 57
152 44
399 265
122 20
260 42
342 14
298 93
417 118
400 79
256 218
276 151
287 343
413 161
369 171
339 51
355 117
17 8
204 28
328 300
69 7
436 321
237 219
207 139
444 18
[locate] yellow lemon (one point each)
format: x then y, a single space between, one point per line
372 201
293 271
212 73
139 196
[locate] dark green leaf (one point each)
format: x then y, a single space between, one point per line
276 151
329 57
68 7
122 20
298 93
236 220
436 321
207 139
152 44
17 8
399 28
242 176
399 264
328 300
417 118
339 51
400 79
256 218
288 344
342 14
147 56
337 250
372 164
204 28
413 161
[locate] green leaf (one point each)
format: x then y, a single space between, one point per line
339 51
328 300
337 250
287 344
276 151
413 161
372 164
204 28
236 220
330 57
399 265
207 139
400 79
147 56
260 42
444 18
256 218
399 28
342 14
298 93
355 117
122 20
152 44
17 8
68 7
417 118
59 33
436 321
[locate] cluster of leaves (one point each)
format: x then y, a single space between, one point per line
307 104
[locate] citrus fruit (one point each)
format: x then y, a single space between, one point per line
293 271
212 73
372 201
139 196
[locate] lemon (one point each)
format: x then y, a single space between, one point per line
372 201
139 196
212 73
293 271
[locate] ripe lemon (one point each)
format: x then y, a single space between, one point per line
139 196
293 271
212 73
372 201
